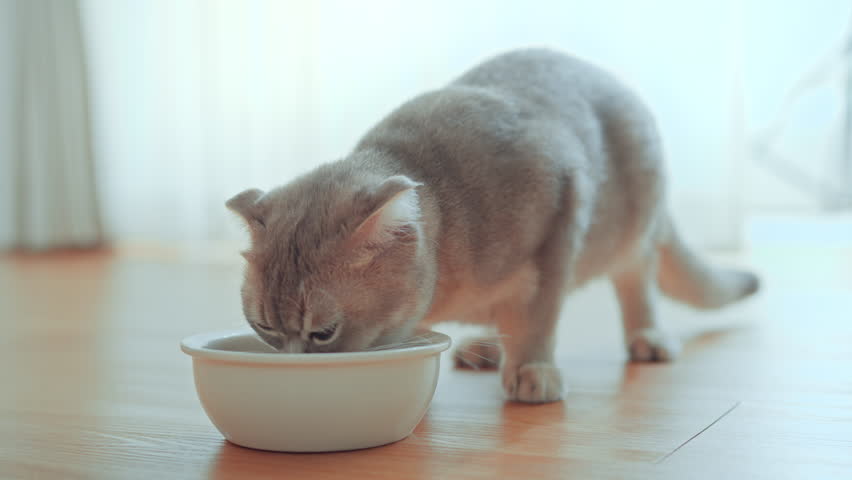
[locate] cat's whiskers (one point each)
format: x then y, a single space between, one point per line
410 342
475 355
394 346
468 363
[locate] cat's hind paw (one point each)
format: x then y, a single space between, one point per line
653 345
533 383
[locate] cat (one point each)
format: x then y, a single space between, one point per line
485 201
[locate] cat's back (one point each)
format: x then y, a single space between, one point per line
506 108
591 123
547 80
506 146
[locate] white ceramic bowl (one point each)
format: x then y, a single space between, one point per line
313 402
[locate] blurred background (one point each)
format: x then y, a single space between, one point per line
125 125
129 123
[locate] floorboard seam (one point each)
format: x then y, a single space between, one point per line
714 422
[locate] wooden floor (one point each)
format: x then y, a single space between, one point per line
95 386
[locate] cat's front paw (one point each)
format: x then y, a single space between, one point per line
533 383
478 354
653 345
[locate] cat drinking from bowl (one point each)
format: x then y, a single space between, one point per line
486 201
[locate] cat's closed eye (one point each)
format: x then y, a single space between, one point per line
264 328
326 335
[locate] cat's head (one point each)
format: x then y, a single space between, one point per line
336 263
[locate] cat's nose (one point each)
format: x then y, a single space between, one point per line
274 342
292 345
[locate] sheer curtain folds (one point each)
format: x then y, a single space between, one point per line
197 100
46 164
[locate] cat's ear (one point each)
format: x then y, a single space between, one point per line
396 217
245 204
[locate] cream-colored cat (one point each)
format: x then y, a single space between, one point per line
485 201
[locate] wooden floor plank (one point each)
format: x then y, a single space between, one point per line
774 441
96 387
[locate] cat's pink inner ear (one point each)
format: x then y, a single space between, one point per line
395 219
245 204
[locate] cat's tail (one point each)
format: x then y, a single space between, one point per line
683 276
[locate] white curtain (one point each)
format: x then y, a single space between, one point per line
196 100
799 90
46 167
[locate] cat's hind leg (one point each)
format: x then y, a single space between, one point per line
636 289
